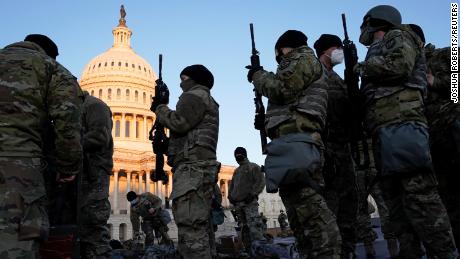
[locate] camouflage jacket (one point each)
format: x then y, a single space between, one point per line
297 93
36 93
194 125
247 181
97 147
338 125
441 112
145 202
393 78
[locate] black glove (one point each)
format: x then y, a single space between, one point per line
161 95
259 122
252 71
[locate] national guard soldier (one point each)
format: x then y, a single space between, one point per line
443 117
339 172
296 114
34 90
393 78
194 127
97 166
282 220
246 185
154 218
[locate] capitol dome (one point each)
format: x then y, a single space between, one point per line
125 81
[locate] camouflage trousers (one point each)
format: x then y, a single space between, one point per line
155 225
250 218
23 218
417 213
450 195
313 224
193 188
340 193
94 233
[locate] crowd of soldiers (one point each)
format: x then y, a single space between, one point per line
53 134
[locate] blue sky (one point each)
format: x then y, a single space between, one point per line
213 33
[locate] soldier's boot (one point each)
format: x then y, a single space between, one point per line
392 245
369 248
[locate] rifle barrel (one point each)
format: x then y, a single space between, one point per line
251 27
161 66
344 23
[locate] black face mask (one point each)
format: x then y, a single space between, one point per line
278 56
239 158
278 59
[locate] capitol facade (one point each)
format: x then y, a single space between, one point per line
125 81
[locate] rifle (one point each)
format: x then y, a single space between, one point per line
352 82
158 135
260 109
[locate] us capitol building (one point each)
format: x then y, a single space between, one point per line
125 81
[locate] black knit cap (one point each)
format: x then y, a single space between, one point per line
45 43
325 42
241 151
291 39
200 74
130 196
418 30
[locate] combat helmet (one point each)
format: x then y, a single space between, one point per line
378 18
386 13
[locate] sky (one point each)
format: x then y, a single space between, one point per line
209 32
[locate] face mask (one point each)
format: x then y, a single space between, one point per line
133 202
367 36
278 56
336 56
239 158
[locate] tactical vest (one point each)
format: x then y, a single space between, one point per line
307 112
395 100
205 134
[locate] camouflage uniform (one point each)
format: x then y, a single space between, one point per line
98 150
247 183
282 220
297 101
150 222
34 90
339 172
368 184
443 117
194 130
393 82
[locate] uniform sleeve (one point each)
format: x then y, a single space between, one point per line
155 201
98 131
397 61
64 101
259 179
441 81
189 112
292 77
134 217
217 194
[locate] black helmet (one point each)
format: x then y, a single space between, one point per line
385 13
130 196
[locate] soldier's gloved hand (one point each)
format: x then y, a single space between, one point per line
252 71
65 178
259 122
152 211
162 95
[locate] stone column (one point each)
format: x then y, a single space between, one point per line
122 126
147 181
133 127
115 193
128 189
141 190
170 183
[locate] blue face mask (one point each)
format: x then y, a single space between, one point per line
133 202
